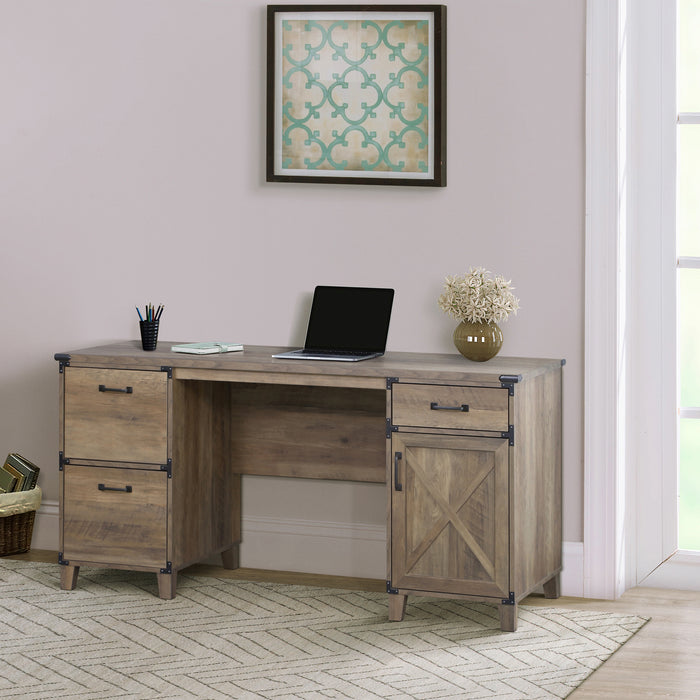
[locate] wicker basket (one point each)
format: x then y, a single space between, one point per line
17 512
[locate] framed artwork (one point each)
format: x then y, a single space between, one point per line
356 94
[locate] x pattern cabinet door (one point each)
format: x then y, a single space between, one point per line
450 528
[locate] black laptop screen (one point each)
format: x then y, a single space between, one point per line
349 318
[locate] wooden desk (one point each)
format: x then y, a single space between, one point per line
153 446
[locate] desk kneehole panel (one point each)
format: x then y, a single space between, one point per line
115 415
115 516
449 407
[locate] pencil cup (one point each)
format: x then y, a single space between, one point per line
149 334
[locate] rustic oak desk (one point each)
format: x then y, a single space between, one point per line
153 446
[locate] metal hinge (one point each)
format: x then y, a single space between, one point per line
168 569
167 369
62 461
508 381
389 589
510 435
168 468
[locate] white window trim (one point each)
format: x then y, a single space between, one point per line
602 496
652 458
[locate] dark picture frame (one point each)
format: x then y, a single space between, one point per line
356 94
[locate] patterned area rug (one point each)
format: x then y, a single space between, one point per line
221 638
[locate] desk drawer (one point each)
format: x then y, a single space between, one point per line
115 415
115 516
450 407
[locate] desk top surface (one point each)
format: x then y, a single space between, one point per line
258 358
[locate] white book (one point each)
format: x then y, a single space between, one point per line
206 348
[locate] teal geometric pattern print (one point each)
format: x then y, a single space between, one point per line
355 95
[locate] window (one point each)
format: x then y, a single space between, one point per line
688 248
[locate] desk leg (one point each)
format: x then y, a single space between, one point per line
229 557
166 585
397 606
69 577
509 616
551 587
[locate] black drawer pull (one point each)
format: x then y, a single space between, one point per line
397 486
434 407
102 487
128 390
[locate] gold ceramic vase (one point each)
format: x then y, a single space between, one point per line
478 341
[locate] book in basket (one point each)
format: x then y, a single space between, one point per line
18 474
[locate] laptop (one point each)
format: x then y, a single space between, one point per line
346 324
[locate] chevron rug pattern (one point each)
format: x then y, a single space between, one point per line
221 638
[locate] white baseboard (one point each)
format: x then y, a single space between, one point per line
571 579
45 532
316 547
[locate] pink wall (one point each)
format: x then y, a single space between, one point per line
132 169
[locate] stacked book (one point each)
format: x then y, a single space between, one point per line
18 474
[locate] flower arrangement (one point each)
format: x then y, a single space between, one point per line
477 298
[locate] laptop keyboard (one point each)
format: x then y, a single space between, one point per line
344 353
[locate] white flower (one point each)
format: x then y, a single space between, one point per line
476 298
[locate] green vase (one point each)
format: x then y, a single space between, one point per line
478 341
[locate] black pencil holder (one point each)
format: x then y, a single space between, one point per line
149 334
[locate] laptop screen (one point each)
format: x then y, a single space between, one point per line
349 318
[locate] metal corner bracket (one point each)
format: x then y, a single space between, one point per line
508 381
169 370
63 360
510 600
390 590
168 468
168 568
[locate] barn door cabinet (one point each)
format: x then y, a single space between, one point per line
474 475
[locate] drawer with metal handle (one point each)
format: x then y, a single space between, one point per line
115 415
115 515
449 407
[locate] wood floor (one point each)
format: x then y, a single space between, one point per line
661 661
